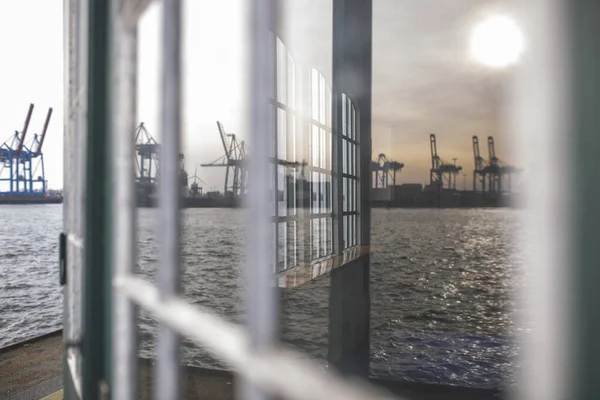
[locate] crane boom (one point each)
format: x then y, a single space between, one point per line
477 154
435 160
492 150
224 139
25 127
46 123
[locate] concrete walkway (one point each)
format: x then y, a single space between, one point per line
33 371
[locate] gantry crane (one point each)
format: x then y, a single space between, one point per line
234 161
148 166
481 168
195 189
442 173
384 168
22 170
498 170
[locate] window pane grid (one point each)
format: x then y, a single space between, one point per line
320 166
349 173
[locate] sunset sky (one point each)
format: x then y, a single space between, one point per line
424 77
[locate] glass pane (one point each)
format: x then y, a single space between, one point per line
330 235
344 158
291 80
282 244
323 148
345 232
315 192
315 144
314 94
281 134
322 193
292 140
345 194
282 183
344 116
281 72
292 245
353 130
291 191
329 150
351 195
354 161
322 102
316 238
324 237
328 106
272 130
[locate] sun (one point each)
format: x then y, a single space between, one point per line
497 42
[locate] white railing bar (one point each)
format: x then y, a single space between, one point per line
261 303
124 335
279 372
540 118
168 385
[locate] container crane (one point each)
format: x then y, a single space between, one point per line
233 161
22 172
442 173
481 168
384 168
195 189
147 151
147 167
497 170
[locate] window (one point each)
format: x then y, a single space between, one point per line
287 168
350 175
321 211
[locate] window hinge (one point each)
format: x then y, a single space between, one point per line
62 258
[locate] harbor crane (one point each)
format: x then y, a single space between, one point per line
489 176
22 170
481 168
442 173
195 189
147 167
147 151
233 161
499 170
383 168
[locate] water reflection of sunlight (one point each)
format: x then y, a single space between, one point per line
497 42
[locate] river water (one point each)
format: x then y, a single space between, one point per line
443 284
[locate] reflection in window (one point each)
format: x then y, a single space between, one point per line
302 151
320 165
350 176
283 100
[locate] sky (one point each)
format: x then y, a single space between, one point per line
424 78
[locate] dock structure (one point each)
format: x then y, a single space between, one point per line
32 370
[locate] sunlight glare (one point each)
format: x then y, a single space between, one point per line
497 42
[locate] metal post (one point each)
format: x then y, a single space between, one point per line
96 284
124 335
337 103
261 302
168 385
349 293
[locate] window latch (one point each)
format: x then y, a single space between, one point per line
62 258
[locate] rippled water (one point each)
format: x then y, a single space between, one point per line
442 286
